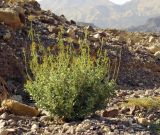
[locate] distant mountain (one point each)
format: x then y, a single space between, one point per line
152 25
86 24
104 13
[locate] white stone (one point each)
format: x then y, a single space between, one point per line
97 36
71 32
34 127
2 124
7 36
157 55
151 39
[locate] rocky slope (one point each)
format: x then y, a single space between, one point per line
105 13
138 66
137 55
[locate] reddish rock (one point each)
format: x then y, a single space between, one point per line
111 112
10 17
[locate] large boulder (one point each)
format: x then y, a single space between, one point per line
11 17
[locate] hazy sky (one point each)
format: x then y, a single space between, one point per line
115 1
119 1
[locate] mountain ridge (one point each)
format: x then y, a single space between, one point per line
105 13
151 25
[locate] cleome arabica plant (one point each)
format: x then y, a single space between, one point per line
68 82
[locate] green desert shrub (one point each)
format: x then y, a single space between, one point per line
68 82
144 102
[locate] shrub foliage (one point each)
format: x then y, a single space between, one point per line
69 82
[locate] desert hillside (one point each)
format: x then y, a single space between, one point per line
133 63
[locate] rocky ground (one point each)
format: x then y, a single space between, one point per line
114 120
137 55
